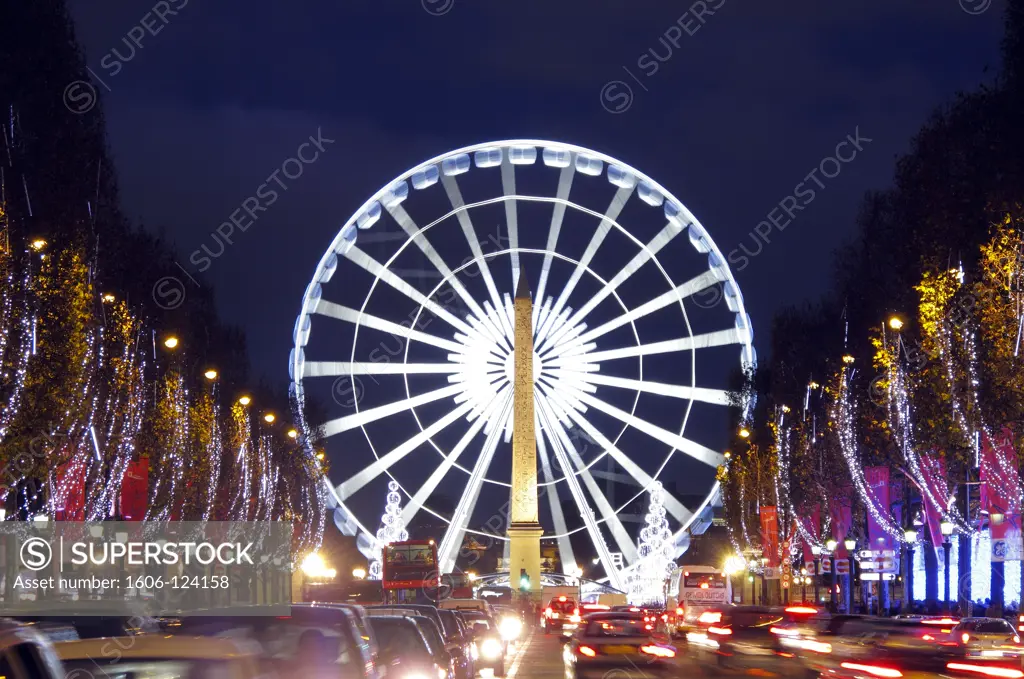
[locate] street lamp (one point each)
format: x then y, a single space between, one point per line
910 535
171 342
269 418
744 433
210 374
245 400
946 527
850 543
816 551
831 545
895 323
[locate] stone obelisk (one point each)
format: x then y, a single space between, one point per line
524 528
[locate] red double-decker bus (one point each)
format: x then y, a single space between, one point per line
411 564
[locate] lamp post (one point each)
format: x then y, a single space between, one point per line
816 551
946 527
851 546
831 545
910 535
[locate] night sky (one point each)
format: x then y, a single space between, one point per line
747 100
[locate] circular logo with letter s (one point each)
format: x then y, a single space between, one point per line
36 554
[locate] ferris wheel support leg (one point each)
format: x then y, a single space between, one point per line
452 540
558 517
676 508
572 462
550 422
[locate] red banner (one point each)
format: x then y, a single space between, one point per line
933 469
135 490
1001 495
70 495
878 483
842 523
770 534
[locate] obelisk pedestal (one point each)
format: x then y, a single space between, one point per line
524 530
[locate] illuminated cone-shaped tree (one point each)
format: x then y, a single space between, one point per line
391 530
647 582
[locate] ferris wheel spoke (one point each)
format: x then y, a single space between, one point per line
557 516
610 215
710 457
467 503
353 484
704 341
416 235
557 216
508 186
336 368
344 313
364 417
451 186
682 291
653 247
552 429
423 494
362 259
674 506
714 396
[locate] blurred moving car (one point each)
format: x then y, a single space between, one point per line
863 647
92 626
562 614
510 623
405 650
319 638
989 634
491 647
26 654
753 639
143 657
616 641
439 649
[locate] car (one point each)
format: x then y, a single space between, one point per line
491 647
311 634
615 642
562 614
26 654
460 642
365 639
453 604
405 649
989 634
162 656
439 648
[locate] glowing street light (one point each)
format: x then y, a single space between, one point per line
245 400
831 544
38 244
727 454
320 456
813 385
744 433
895 323
734 564
848 359
269 417
210 374
293 434
108 298
171 342
471 575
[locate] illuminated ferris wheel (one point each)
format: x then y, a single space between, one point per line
406 333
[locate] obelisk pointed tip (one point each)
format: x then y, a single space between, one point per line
522 286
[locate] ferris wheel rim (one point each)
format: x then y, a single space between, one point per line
745 340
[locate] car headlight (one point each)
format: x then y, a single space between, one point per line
510 628
490 649
442 673
474 651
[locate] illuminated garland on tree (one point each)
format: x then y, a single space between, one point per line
842 415
392 530
646 584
